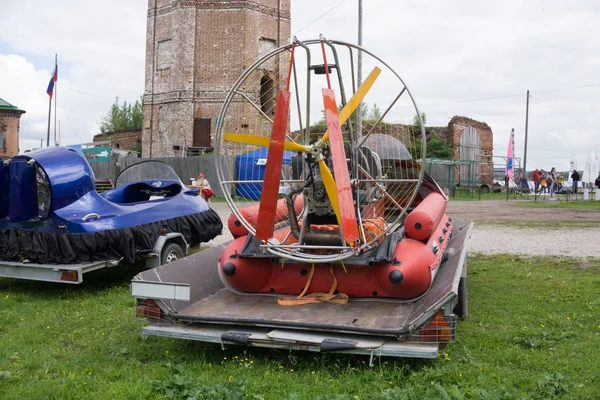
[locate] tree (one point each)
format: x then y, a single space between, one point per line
436 146
137 147
415 151
423 118
122 117
417 148
439 148
373 115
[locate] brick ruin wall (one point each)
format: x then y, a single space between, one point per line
121 139
453 133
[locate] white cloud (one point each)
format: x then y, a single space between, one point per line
445 51
21 83
101 49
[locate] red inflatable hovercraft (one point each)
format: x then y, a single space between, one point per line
341 215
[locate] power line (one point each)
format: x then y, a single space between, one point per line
472 100
73 129
100 95
568 88
319 17
512 95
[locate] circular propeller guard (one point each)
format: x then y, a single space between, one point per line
360 171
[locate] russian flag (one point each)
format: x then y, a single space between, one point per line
53 79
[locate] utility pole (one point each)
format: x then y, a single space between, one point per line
359 69
526 128
360 34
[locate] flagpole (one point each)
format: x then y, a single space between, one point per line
526 129
55 95
49 115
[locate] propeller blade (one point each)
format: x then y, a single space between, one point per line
330 188
356 99
268 200
347 216
261 141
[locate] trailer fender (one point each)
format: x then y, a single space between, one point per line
153 259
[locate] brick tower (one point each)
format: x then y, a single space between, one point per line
195 51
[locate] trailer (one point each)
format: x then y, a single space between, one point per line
187 300
168 248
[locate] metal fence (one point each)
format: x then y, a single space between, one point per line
458 178
462 177
465 176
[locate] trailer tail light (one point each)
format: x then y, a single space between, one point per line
148 309
441 329
70 276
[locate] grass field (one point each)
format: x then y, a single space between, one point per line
533 332
465 195
580 204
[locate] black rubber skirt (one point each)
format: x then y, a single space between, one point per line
71 248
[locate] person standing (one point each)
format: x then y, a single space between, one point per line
551 182
535 176
576 178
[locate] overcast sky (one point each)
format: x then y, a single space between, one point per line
470 58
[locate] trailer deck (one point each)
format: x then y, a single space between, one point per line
195 305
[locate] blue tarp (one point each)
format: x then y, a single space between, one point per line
251 166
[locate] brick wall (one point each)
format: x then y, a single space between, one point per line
121 139
195 51
9 124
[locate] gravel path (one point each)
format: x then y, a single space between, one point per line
490 237
567 242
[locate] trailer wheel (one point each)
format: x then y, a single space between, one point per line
461 309
171 252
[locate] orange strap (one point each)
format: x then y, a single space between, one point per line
314 298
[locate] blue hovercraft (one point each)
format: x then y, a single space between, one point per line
50 212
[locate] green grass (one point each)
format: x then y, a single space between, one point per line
464 195
580 204
533 332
